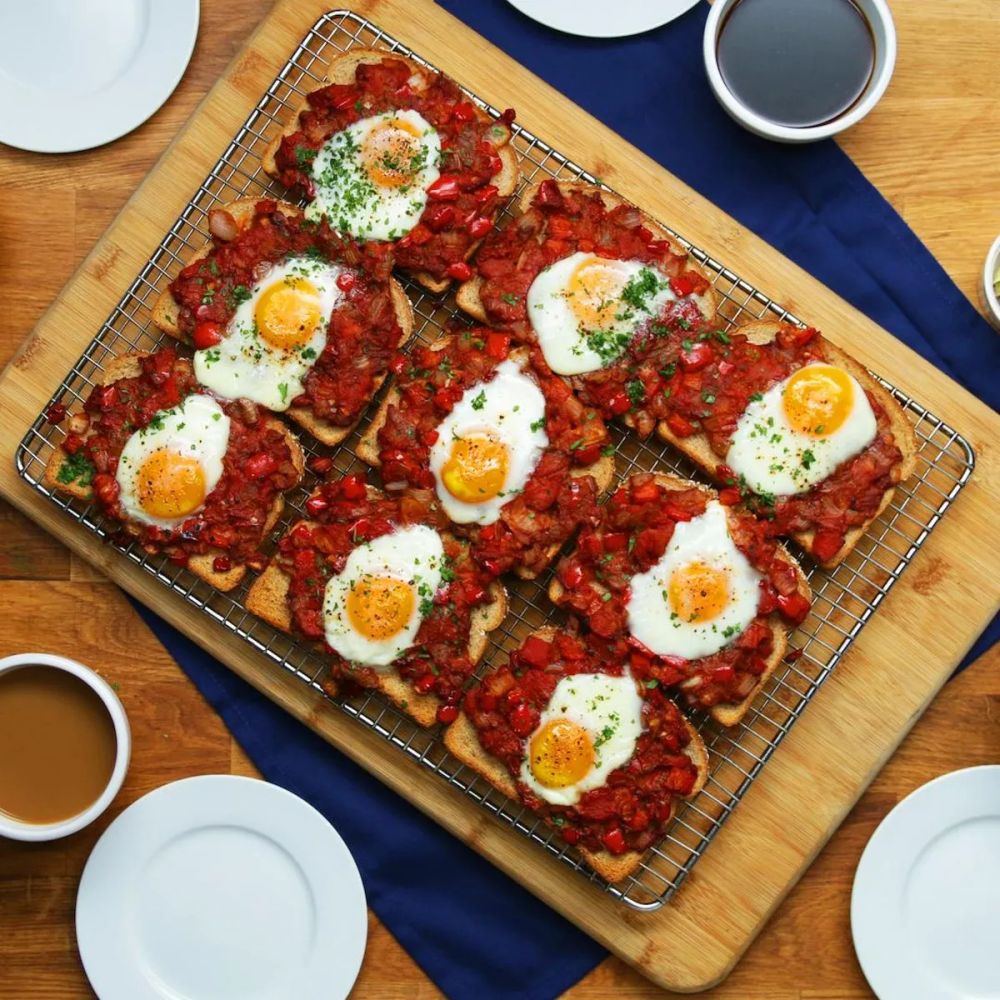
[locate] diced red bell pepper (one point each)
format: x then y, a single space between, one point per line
679 425
353 487
485 193
729 496
440 217
222 564
460 271
317 504
445 188
615 541
321 464
696 357
56 413
207 334
259 464
346 280
794 606
536 652
646 492
72 444
681 285
464 111
571 575
419 234
619 403
424 683
523 720
497 345
614 841
447 714
479 227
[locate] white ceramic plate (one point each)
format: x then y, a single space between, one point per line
78 73
601 19
926 902
221 888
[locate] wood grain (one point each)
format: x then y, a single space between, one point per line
806 950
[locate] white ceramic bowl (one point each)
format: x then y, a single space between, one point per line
990 299
17 830
879 17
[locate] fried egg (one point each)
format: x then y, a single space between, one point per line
373 608
795 434
167 469
371 178
589 727
489 445
275 335
585 309
700 595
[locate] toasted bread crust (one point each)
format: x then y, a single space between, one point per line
201 564
462 740
697 448
165 313
342 69
367 449
268 600
468 298
728 713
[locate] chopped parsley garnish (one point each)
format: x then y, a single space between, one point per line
608 449
76 469
304 157
635 391
283 391
536 425
807 458
510 299
239 294
478 402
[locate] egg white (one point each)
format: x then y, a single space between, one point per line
353 201
569 348
511 408
246 365
651 620
610 709
197 427
413 554
773 457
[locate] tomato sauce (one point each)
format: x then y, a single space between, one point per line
635 527
632 809
343 516
560 223
553 502
462 203
257 466
363 331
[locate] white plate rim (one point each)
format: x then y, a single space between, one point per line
595 19
909 827
254 805
66 122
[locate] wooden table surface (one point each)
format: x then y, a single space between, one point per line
930 147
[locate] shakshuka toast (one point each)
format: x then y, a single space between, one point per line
288 314
391 595
186 474
779 415
566 729
697 591
392 151
515 460
599 287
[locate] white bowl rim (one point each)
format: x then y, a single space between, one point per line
17 830
786 133
989 273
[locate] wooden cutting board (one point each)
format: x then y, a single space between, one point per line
901 659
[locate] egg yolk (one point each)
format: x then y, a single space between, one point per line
379 607
390 153
818 399
170 485
698 592
594 292
288 312
561 753
476 469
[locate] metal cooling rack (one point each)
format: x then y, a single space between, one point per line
844 599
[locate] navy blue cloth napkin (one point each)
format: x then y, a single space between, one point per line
476 933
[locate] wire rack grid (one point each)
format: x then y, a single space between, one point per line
844 599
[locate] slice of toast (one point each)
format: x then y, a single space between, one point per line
165 315
468 298
697 447
201 564
367 449
268 600
342 69
462 740
728 713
